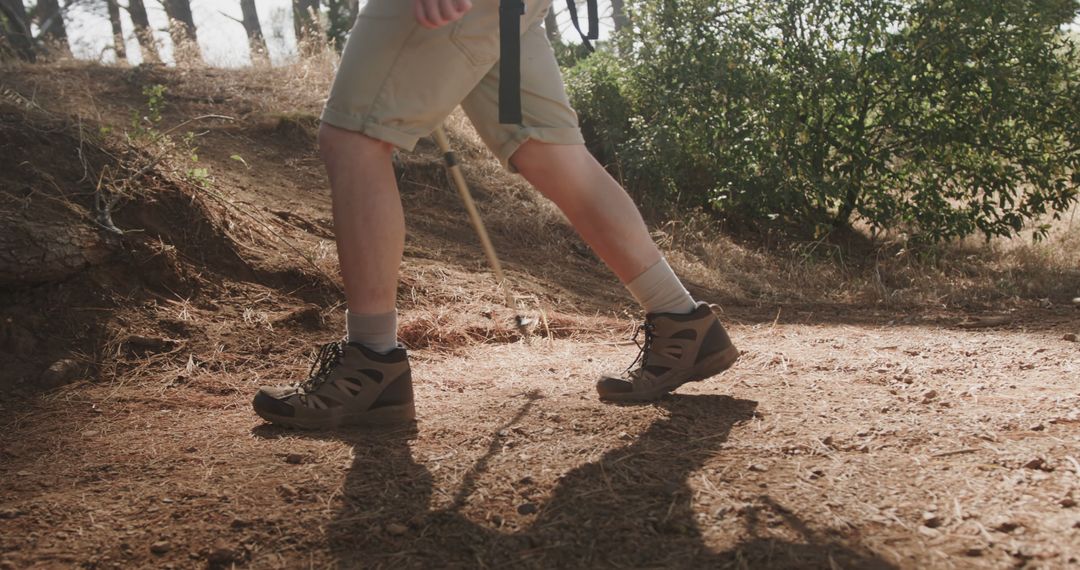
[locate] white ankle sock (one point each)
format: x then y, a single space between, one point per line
658 290
377 331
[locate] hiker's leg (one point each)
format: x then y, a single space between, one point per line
599 209
368 219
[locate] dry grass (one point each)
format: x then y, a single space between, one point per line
972 274
861 440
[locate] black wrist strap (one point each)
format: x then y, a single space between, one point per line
510 12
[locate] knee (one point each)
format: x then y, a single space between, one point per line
336 143
537 160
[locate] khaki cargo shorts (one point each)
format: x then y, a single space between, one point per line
398 81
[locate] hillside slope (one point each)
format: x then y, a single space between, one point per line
156 271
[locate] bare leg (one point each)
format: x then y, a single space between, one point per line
368 219
599 209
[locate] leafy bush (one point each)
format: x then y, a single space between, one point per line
941 118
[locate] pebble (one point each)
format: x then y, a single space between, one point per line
527 509
221 557
1070 337
1038 463
60 372
294 459
928 396
931 520
758 467
1006 526
160 547
396 529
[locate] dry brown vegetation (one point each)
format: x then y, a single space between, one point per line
891 409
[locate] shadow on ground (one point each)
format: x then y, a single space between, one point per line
631 508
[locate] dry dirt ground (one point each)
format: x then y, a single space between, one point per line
847 436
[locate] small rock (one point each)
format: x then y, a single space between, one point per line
396 529
929 396
1006 526
294 459
287 490
1068 502
758 468
549 431
1070 337
10 514
624 435
221 557
527 509
160 547
931 520
526 480
1076 302
1038 463
973 552
61 372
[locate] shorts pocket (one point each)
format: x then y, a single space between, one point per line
477 36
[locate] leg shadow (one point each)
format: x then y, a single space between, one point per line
633 508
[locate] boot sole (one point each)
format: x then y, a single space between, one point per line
387 415
711 366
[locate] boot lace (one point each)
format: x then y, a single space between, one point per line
328 357
644 348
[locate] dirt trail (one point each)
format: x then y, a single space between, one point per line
847 445
846 436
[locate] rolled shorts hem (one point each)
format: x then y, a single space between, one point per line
549 135
404 141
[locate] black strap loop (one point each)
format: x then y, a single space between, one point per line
510 12
594 22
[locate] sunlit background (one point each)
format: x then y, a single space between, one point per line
221 37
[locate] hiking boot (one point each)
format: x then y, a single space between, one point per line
677 349
349 384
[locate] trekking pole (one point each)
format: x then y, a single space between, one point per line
521 321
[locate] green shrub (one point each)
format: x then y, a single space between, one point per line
940 118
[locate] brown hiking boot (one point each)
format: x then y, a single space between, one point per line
677 349
349 385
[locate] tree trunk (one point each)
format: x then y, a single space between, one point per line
182 31
118 31
256 40
50 20
618 12
143 31
341 15
17 28
305 26
551 26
